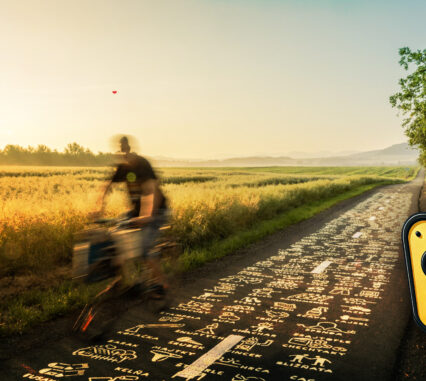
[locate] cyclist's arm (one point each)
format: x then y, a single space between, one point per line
101 201
156 195
149 201
117 177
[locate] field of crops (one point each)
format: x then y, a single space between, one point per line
215 211
42 207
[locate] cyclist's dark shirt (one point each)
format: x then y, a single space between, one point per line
135 174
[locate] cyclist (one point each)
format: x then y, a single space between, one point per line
149 206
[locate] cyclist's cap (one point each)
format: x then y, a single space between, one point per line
124 140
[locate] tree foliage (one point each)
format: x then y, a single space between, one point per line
73 154
411 99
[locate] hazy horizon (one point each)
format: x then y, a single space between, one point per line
291 155
205 79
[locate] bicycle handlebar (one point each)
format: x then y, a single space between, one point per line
103 221
116 223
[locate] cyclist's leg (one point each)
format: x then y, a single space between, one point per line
152 255
132 266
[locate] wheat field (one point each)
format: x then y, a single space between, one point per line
215 212
41 208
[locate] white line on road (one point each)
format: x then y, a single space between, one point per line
372 218
357 235
321 267
209 358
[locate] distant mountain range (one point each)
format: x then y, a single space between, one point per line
397 154
306 155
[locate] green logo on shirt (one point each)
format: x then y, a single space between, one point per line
131 177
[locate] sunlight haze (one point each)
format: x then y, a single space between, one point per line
205 78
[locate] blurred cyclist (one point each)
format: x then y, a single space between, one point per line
149 205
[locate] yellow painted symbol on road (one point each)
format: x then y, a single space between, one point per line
414 242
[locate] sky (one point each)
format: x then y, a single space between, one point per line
205 78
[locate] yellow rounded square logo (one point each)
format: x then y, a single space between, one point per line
414 242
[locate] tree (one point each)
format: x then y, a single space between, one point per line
41 148
74 149
73 154
411 99
14 154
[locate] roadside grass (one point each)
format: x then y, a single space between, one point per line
191 259
32 307
203 216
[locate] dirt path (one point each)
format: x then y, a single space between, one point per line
323 300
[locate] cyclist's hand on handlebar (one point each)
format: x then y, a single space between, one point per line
132 223
126 224
139 222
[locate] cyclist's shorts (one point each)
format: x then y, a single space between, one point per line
152 231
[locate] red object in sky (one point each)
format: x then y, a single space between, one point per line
114 91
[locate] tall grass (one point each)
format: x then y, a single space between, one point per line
42 209
205 215
215 211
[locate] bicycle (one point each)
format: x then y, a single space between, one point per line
110 251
